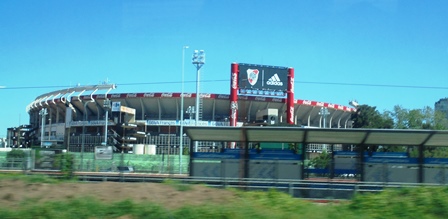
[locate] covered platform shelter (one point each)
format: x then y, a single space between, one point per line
399 168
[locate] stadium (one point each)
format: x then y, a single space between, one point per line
215 129
157 114
76 117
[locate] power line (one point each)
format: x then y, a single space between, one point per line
373 85
225 80
32 87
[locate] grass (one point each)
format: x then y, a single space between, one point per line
179 186
34 178
420 202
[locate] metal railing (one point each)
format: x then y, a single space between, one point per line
320 190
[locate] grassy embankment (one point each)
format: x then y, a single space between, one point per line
423 202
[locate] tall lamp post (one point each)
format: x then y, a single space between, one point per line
198 61
324 113
106 106
42 113
181 142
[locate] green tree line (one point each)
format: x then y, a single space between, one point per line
401 118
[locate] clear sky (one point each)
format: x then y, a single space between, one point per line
380 52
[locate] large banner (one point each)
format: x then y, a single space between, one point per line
103 153
263 77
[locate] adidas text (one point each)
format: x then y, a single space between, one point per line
274 80
276 83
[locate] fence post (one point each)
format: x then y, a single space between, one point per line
355 190
223 172
290 189
443 174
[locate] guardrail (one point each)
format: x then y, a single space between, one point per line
316 189
306 189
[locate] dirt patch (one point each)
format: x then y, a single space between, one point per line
15 192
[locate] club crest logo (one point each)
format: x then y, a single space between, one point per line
252 76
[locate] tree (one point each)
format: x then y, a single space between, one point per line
425 118
322 161
440 121
401 118
368 117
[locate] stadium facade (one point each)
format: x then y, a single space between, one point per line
158 114
81 118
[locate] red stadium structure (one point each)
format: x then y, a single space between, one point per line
76 117
254 85
158 113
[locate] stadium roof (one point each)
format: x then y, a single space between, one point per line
215 107
405 137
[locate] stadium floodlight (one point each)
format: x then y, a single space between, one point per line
354 103
198 61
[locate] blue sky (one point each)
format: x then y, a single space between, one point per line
337 47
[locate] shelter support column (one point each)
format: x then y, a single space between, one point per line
190 166
421 160
303 151
332 162
361 149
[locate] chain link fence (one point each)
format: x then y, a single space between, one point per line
48 159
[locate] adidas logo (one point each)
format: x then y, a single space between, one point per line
274 80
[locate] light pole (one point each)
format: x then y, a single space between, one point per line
181 142
198 60
42 113
190 111
324 112
106 106
83 138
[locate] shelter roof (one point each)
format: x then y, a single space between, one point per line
405 137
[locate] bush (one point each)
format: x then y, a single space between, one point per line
66 163
15 158
421 202
16 153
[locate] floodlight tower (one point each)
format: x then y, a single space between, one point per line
198 61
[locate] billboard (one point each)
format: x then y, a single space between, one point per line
262 77
116 106
103 152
